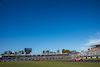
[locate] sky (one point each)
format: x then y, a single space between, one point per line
49 25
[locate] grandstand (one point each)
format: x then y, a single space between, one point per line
46 55
94 51
38 57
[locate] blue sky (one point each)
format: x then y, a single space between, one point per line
49 24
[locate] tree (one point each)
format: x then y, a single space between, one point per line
77 52
65 51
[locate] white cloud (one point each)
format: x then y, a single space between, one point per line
98 36
98 33
93 42
95 39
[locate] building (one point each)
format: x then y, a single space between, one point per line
20 52
14 52
28 50
7 52
58 52
73 52
93 51
47 52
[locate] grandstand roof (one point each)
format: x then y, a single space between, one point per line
95 45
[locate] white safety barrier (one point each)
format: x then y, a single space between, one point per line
93 57
88 57
98 57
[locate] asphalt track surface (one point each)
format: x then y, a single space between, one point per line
75 61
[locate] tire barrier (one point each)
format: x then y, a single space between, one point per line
91 57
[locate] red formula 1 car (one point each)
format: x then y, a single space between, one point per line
79 59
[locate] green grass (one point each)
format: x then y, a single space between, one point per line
48 64
51 60
61 59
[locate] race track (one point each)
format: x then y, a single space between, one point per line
74 61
